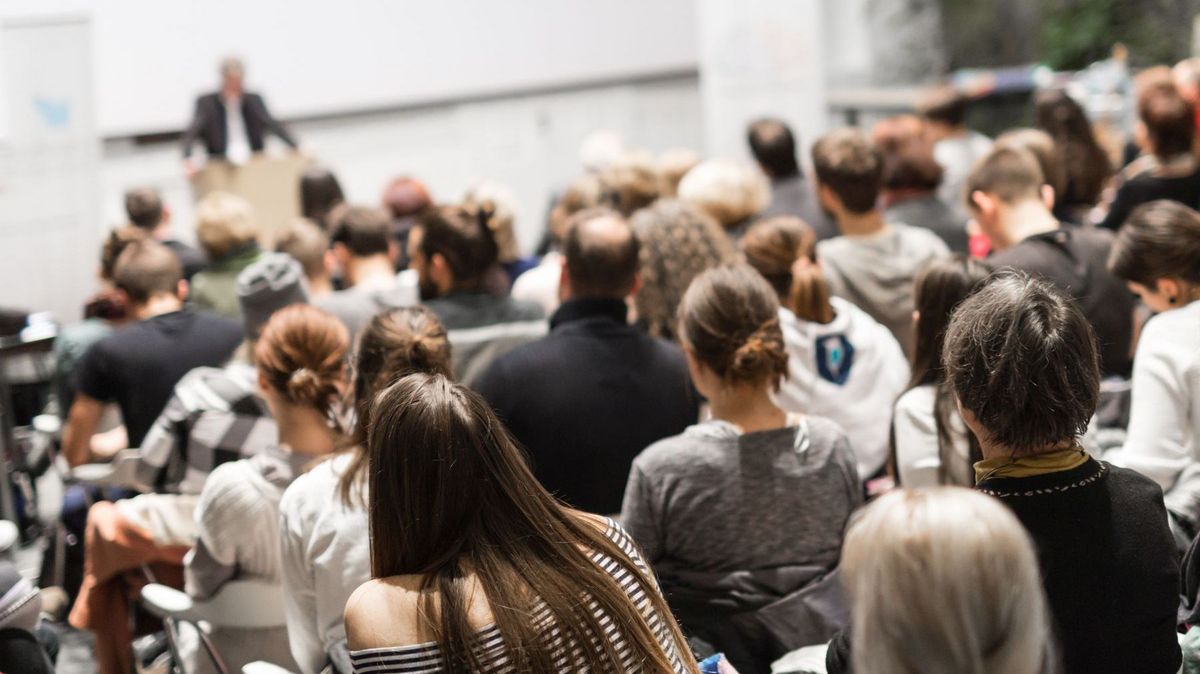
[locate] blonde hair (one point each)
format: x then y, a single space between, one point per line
731 192
502 206
224 223
944 581
673 165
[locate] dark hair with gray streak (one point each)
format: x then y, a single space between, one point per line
1022 358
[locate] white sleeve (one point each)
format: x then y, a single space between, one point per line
915 430
225 505
299 589
1158 444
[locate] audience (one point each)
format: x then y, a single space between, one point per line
146 211
630 182
452 248
214 415
576 399
1010 203
732 193
742 516
540 284
493 580
774 149
137 367
1022 361
910 180
873 262
1157 254
1166 134
676 243
673 165
931 443
300 357
320 193
323 523
842 365
503 205
308 244
228 234
404 199
1041 146
956 148
1085 166
365 254
945 581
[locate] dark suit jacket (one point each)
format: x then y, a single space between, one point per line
586 399
208 123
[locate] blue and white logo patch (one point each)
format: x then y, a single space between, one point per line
835 357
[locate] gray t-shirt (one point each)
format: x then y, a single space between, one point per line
715 500
355 306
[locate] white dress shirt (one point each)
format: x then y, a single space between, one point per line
237 143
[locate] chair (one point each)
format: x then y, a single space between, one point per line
244 604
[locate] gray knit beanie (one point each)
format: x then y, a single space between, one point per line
275 281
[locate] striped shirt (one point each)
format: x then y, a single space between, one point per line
426 658
214 415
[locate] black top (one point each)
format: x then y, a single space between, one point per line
1075 259
1109 565
793 195
208 123
191 259
138 367
588 397
1147 187
929 212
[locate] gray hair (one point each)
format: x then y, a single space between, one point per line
944 581
232 65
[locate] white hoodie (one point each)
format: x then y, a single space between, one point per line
850 370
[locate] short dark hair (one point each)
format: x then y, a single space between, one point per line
362 230
320 192
1170 121
1160 239
114 244
912 167
1021 356
1010 173
944 104
147 268
306 243
464 238
144 207
600 264
773 146
848 163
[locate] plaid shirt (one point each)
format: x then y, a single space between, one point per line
215 415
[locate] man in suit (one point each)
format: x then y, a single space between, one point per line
232 123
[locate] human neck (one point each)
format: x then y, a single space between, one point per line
995 450
376 270
304 431
1023 220
161 231
319 285
162 303
749 407
861 224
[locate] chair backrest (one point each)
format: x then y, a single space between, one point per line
243 604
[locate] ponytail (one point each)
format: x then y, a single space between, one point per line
783 250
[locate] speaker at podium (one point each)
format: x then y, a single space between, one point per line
270 183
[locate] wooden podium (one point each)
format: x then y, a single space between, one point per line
270 183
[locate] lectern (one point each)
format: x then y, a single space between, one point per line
270 183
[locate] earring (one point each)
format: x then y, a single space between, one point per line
1172 299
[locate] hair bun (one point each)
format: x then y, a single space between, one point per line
304 386
760 355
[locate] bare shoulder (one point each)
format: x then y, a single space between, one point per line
383 613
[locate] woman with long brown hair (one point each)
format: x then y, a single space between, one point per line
477 568
742 515
326 554
842 364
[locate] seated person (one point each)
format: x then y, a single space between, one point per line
215 415
774 149
842 365
301 362
146 211
742 516
1021 359
404 199
228 233
452 248
365 254
507 579
910 180
943 109
873 262
326 550
308 244
1012 204
1166 132
592 379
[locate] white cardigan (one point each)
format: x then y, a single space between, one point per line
326 556
1164 416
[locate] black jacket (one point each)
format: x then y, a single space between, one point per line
208 123
587 398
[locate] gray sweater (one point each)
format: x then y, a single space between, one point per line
714 500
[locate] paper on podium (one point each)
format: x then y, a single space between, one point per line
270 183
